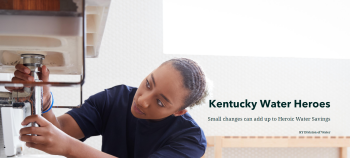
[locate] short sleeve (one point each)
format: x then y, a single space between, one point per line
89 115
189 146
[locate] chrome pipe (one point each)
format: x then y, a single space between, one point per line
34 62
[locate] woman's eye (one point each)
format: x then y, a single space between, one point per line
147 84
160 103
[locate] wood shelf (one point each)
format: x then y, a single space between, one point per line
219 142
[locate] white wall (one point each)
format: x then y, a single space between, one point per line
263 28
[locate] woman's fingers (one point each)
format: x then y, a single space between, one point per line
32 130
36 146
36 118
22 68
15 79
34 139
26 77
19 89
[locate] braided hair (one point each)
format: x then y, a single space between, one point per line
193 80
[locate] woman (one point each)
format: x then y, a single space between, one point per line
150 121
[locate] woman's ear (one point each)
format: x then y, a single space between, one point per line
181 112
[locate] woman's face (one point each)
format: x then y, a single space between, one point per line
160 94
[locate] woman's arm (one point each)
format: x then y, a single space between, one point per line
50 139
82 150
66 123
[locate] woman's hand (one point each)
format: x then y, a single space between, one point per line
49 138
54 141
22 73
